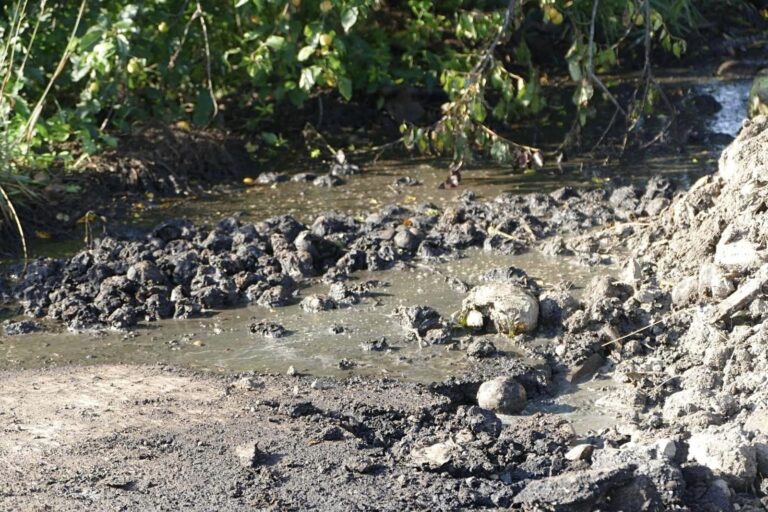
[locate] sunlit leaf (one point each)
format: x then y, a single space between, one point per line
349 18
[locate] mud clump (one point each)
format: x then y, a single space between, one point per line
502 394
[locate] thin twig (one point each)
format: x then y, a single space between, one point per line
633 332
590 63
672 315
209 76
19 228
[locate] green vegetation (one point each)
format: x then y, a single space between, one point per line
77 77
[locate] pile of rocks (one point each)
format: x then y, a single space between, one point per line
180 269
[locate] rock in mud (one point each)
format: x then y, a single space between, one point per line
22 327
327 181
435 456
440 335
269 178
481 348
580 452
248 454
556 306
316 303
123 318
346 364
418 318
375 345
503 395
275 297
267 329
576 491
505 307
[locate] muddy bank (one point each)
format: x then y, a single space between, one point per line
136 437
682 327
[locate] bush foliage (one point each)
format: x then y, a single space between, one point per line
129 63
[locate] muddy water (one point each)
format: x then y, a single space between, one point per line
375 188
223 341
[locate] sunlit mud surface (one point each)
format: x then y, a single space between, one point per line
223 341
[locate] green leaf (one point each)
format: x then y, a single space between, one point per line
574 68
478 111
240 3
305 53
90 38
349 18
276 42
270 138
309 77
345 88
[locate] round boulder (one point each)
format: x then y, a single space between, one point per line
503 395
504 307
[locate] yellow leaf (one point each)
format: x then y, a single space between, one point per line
183 125
248 181
44 235
88 217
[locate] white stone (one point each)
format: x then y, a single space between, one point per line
741 255
434 456
475 319
666 448
580 452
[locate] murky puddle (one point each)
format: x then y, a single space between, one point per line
223 341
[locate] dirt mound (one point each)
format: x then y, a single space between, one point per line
707 383
721 219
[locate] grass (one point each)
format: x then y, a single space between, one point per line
15 50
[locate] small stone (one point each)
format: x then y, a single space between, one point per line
481 348
247 454
317 303
503 395
632 272
434 456
248 383
267 329
375 345
291 371
475 319
580 452
666 448
346 364
510 308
